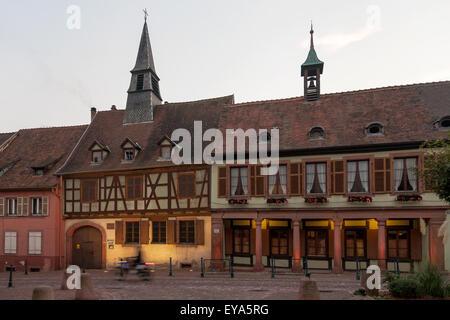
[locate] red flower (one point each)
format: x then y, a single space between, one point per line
231 201
324 200
411 198
419 199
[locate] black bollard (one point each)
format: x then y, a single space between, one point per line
10 282
358 275
273 267
231 268
170 267
26 266
202 267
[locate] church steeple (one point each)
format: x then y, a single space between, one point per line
144 92
312 68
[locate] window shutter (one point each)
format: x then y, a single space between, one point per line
2 207
296 179
45 208
256 181
222 182
25 205
382 175
427 181
199 232
416 245
144 236
171 224
337 177
19 206
119 232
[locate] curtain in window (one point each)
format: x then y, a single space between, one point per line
398 173
310 173
321 172
244 179
364 174
282 171
351 170
410 169
272 181
234 180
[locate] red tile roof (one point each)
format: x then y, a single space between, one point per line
33 148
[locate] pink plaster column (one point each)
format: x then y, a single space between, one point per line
337 247
436 246
382 243
296 267
258 266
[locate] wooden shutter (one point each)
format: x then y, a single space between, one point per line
256 181
372 244
120 237
144 236
337 177
222 182
427 182
19 206
382 175
170 235
45 208
228 241
199 232
296 179
2 207
416 245
25 205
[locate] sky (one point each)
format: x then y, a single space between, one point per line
57 62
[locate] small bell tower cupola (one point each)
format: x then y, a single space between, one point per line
312 68
143 93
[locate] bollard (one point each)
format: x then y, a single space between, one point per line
43 293
305 266
87 291
273 267
231 268
170 267
358 275
397 267
202 268
10 282
308 290
121 270
26 266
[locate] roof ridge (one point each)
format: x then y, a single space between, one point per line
375 89
56 127
201 100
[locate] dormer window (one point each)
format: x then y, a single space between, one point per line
166 152
129 154
99 152
443 123
140 82
97 156
316 133
130 150
374 129
38 172
165 149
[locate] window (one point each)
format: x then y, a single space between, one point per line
134 187
140 82
443 123
12 207
11 242
405 178
97 156
241 241
355 243
132 232
89 191
278 182
35 243
279 242
186 232
316 243
166 152
374 129
316 133
358 176
158 232
398 244
38 172
155 86
186 185
36 206
316 178
128 154
239 181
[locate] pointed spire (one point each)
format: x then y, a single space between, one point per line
312 36
144 59
312 59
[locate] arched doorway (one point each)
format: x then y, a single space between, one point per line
87 248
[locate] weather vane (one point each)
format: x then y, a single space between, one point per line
145 14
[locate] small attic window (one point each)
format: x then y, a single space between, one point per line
166 153
140 82
444 123
316 133
97 156
38 172
374 129
128 154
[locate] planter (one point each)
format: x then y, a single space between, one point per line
365 199
238 201
277 200
316 200
409 197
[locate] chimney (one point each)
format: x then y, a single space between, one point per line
113 107
93 113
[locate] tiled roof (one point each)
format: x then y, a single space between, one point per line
107 127
36 148
4 137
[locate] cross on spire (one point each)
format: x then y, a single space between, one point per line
145 14
312 37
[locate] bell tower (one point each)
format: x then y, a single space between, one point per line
312 68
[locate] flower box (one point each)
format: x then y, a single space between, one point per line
277 200
316 200
365 199
409 197
238 201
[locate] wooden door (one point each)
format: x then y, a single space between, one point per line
87 248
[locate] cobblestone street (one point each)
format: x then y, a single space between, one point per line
186 285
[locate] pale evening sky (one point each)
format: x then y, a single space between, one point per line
52 76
